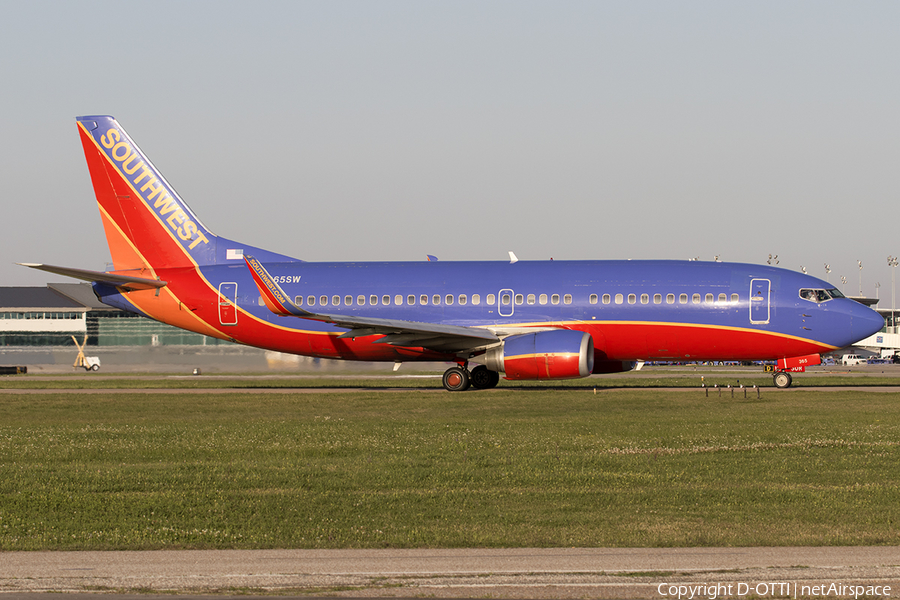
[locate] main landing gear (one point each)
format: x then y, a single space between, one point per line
782 380
459 378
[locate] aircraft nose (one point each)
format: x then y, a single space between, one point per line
864 322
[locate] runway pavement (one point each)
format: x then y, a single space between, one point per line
845 572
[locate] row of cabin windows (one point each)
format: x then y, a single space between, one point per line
41 315
505 299
670 299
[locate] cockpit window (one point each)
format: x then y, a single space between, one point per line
819 295
836 293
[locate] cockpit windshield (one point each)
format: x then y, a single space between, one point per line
814 295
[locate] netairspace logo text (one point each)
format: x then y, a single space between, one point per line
782 589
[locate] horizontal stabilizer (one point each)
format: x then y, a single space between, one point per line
128 282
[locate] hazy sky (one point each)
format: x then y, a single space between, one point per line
392 130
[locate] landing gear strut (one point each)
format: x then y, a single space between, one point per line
782 380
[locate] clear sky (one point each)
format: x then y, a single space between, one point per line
392 130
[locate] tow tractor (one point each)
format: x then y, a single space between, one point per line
88 363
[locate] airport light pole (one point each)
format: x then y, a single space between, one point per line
859 262
892 262
827 271
843 283
877 285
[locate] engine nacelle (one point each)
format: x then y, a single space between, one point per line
558 354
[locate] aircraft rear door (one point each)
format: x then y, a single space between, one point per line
760 290
228 303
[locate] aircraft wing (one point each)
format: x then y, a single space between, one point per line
434 336
128 282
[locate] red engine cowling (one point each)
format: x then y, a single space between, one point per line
559 354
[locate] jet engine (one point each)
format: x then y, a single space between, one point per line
558 354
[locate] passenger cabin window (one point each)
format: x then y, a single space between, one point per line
373 300
398 299
476 299
436 299
463 299
385 300
567 299
335 300
519 299
723 298
657 298
695 298
593 299
411 300
606 298
323 300
709 298
448 299
361 300
735 298
619 298
632 298
554 299
423 299
348 300
298 300
311 300
530 299
542 298
670 298
682 299
490 299
645 298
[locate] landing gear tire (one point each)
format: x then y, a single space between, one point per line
782 380
456 379
483 378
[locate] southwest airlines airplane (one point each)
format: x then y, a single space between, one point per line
522 319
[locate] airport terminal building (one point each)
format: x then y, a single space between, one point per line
50 316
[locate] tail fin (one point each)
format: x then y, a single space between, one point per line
147 224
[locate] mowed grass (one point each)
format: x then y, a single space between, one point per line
518 468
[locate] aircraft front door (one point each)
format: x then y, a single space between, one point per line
505 306
759 301
228 303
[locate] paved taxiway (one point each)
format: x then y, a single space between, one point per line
512 573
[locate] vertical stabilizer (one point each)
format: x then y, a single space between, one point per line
147 224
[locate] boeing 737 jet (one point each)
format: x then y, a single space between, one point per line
518 319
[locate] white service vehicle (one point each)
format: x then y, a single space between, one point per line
849 360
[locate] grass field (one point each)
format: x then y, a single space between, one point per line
524 467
